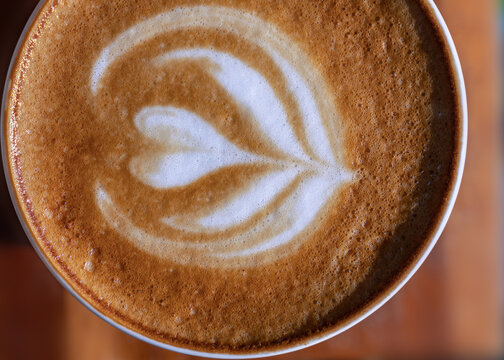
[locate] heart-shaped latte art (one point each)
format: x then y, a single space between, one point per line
282 206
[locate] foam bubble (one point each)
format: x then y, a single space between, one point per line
89 266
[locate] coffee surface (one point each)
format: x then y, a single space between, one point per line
231 175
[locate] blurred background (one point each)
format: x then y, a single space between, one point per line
452 307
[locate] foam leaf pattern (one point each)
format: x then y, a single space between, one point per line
196 148
241 208
249 89
275 211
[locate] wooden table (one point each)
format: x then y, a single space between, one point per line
452 306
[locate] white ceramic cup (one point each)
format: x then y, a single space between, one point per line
317 338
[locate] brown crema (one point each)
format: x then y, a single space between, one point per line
384 69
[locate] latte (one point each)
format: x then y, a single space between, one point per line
232 176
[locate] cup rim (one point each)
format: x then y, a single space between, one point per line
375 304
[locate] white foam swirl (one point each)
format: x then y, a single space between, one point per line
242 207
278 210
205 150
252 91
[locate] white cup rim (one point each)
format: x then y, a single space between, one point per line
384 296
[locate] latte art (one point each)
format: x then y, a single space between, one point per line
228 176
271 215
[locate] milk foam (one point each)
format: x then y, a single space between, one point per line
278 208
251 90
243 206
200 149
